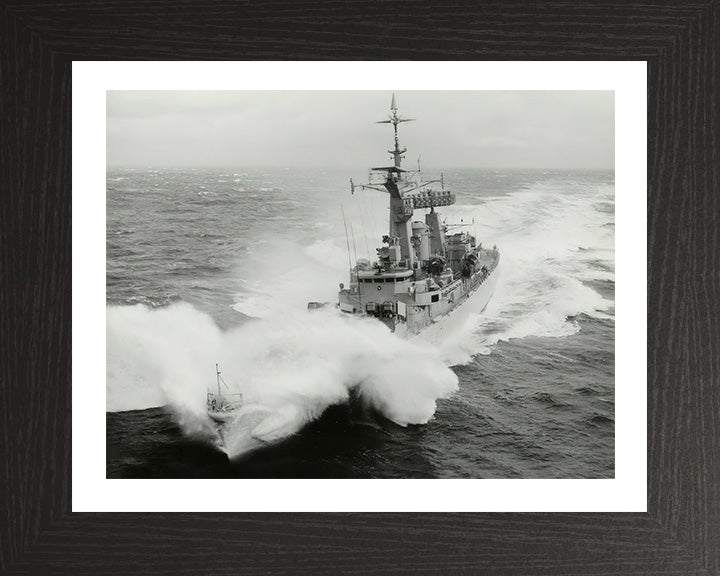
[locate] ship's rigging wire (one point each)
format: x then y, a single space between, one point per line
375 229
352 235
362 222
347 239
365 203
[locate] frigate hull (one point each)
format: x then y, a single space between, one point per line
417 303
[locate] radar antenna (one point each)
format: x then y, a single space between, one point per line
394 119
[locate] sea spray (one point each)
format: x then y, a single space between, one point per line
285 276
157 357
299 364
289 368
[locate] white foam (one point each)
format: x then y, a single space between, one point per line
290 367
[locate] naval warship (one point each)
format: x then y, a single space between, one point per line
424 270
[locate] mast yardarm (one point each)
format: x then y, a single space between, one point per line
394 119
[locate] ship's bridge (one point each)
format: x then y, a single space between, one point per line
370 276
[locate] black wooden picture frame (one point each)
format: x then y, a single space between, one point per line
680 533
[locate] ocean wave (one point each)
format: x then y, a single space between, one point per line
289 368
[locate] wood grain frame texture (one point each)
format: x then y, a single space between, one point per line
680 533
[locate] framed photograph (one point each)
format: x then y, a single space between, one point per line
634 492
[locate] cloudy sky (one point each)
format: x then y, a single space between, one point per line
523 129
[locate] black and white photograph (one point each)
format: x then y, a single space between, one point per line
360 284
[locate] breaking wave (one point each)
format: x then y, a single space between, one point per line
288 368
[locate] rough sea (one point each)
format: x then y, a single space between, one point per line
209 266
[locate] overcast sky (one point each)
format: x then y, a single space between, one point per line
523 129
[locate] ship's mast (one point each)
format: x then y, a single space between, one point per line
400 212
397 154
406 195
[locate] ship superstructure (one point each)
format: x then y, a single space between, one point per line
422 272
